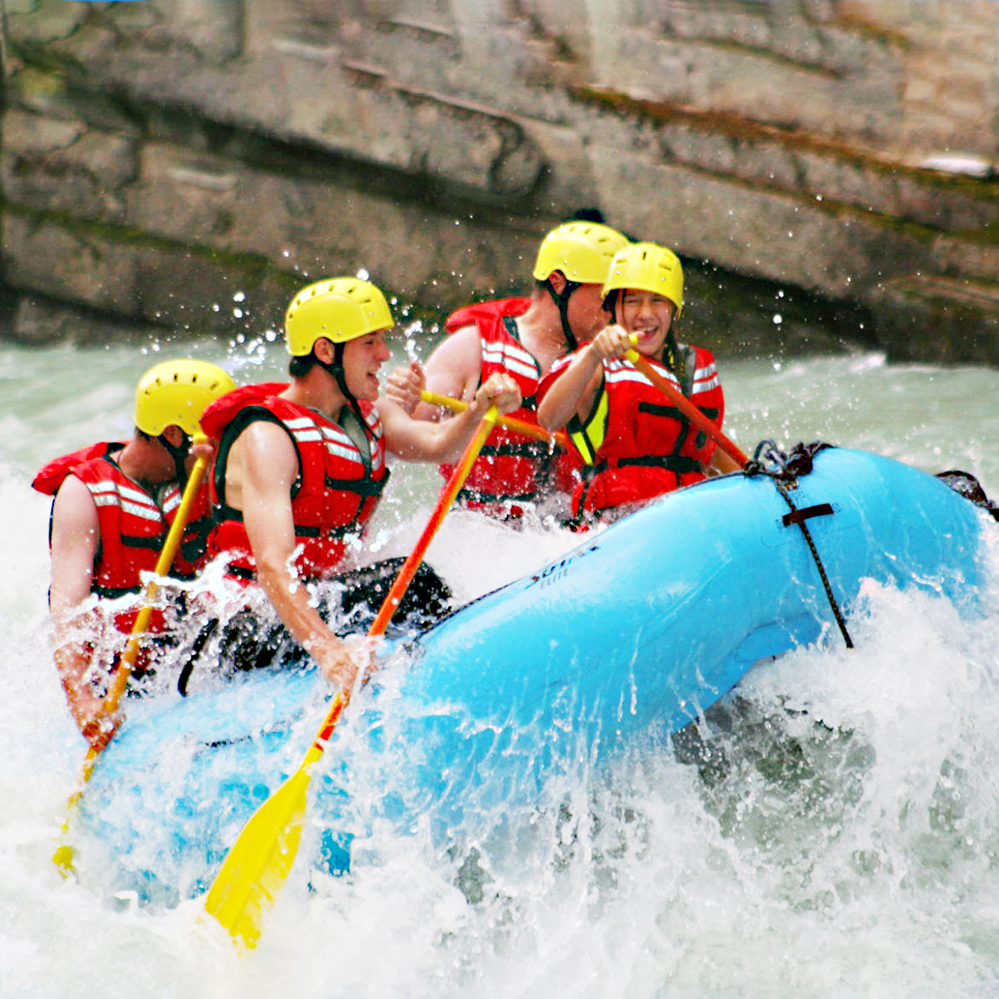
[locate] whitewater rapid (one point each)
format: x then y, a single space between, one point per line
831 831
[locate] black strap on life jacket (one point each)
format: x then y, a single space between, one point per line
194 543
113 592
677 463
365 488
475 495
784 470
154 544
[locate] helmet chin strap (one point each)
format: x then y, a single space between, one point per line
562 301
671 353
335 368
179 453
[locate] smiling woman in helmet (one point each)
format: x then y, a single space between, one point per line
113 507
635 445
301 466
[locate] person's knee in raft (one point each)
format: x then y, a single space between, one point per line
634 444
520 337
302 465
114 504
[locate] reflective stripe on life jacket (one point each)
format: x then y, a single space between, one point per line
340 479
512 468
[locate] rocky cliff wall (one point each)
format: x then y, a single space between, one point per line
188 162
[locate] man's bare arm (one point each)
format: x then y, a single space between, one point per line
75 537
417 440
268 465
453 369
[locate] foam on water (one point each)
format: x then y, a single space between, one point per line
829 830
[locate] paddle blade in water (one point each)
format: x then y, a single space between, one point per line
63 859
260 861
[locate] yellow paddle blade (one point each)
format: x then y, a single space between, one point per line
63 859
260 860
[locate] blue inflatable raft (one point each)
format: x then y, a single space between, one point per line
629 636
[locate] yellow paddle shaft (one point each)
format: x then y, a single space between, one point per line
524 427
167 554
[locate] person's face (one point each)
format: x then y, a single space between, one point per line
648 315
586 313
361 360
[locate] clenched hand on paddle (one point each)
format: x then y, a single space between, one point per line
261 859
510 422
106 725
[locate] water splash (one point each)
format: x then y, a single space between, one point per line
828 831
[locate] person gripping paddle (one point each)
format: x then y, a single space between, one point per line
301 466
114 504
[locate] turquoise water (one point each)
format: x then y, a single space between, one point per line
831 833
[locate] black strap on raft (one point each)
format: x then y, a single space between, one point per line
784 470
247 642
970 488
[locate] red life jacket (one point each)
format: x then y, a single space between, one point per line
334 495
512 469
52 475
644 446
131 522
191 557
132 531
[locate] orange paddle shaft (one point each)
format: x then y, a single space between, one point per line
686 407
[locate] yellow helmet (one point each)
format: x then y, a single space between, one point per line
339 309
176 393
647 267
582 251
